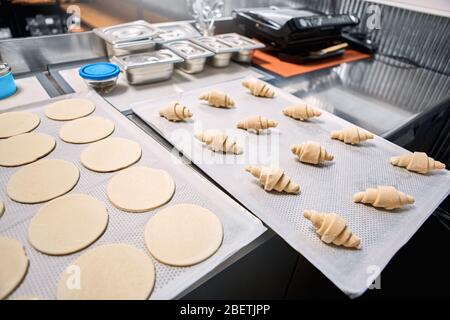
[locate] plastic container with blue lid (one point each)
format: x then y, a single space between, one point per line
101 76
7 84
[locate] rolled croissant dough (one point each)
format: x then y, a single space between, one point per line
111 154
42 181
25 148
14 123
13 266
67 224
140 189
183 235
108 272
2 208
69 109
86 130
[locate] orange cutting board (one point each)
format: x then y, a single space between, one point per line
288 69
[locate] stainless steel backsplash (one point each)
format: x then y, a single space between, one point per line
421 38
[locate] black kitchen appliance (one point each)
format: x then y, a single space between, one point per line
296 34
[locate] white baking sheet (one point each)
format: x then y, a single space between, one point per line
29 90
327 188
240 227
124 94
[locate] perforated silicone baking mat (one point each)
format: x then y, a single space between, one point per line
327 188
240 227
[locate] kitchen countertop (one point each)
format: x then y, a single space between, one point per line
29 90
124 94
380 95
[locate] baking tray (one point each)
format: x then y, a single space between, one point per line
327 188
240 227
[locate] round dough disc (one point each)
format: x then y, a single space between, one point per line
2 208
28 298
14 265
25 148
86 130
42 181
69 109
108 272
183 235
14 123
140 189
111 154
67 224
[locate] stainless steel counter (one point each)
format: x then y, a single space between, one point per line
380 94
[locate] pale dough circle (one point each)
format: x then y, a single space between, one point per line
13 266
67 224
42 181
86 130
108 272
25 148
140 189
14 123
111 154
28 298
2 208
183 235
69 109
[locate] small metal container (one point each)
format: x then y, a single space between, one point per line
174 31
128 38
148 67
222 50
246 46
133 31
194 55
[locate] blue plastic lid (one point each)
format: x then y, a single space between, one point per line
99 71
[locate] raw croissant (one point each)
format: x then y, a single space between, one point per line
332 229
351 135
218 141
256 123
383 197
175 112
217 99
258 88
417 162
301 112
273 179
311 152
